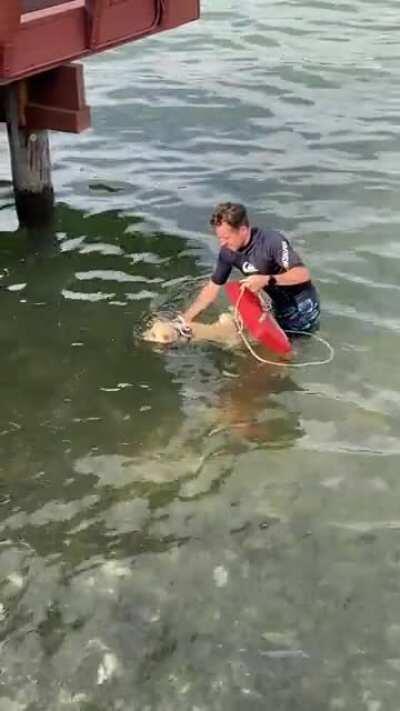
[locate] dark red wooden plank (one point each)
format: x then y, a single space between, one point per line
9 20
46 39
40 117
63 87
40 40
113 23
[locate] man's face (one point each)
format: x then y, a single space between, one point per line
231 237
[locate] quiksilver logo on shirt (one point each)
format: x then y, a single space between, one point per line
285 254
249 268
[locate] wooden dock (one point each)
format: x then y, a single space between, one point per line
42 88
36 35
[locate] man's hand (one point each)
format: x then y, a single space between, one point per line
256 282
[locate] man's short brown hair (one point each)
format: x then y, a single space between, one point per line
233 213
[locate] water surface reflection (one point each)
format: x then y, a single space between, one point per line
180 528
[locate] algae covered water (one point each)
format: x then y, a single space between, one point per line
182 529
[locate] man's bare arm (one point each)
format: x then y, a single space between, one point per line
207 295
295 275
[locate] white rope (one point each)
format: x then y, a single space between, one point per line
239 325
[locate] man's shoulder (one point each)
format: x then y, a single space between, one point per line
267 235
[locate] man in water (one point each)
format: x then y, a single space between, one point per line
269 263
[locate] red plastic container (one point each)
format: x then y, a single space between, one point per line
258 322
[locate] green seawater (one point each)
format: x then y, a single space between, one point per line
183 529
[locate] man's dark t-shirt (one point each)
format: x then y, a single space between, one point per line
268 252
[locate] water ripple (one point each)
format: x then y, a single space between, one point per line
174 518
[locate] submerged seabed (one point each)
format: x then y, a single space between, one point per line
183 529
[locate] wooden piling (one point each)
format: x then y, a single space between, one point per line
30 164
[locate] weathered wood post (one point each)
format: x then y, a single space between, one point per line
30 164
